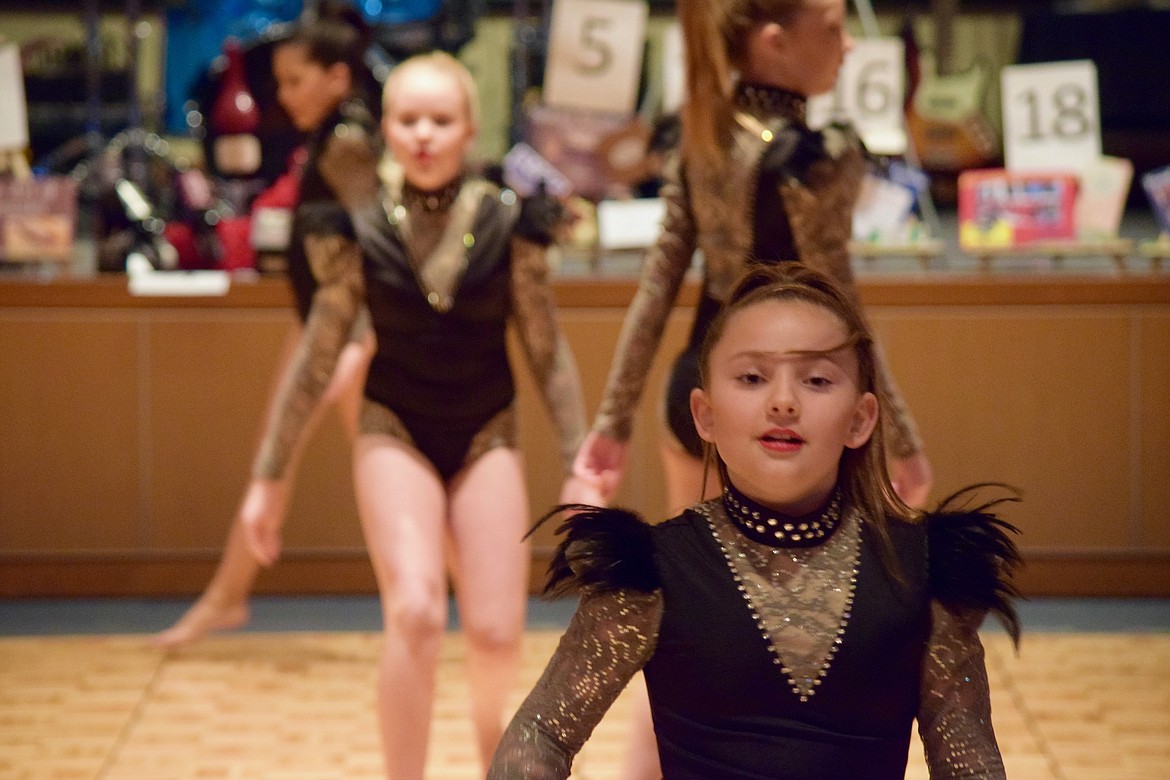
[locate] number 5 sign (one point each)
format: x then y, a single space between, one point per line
595 54
1051 116
869 93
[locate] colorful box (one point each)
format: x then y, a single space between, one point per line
1000 208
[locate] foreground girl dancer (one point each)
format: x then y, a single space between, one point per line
796 626
752 181
314 69
444 261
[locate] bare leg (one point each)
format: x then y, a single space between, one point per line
403 508
489 516
223 605
684 486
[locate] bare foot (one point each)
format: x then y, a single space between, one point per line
204 617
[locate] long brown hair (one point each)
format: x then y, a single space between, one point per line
715 34
862 474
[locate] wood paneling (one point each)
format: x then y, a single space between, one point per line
1014 396
70 452
1152 424
208 378
129 425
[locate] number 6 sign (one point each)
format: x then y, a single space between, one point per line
1051 116
595 54
870 91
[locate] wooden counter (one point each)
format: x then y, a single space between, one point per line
129 425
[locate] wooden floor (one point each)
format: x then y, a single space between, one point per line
299 706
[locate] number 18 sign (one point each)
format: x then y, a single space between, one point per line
1051 116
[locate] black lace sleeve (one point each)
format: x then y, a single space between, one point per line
606 554
972 558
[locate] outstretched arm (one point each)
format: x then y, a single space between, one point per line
545 347
602 459
609 639
666 265
336 263
954 713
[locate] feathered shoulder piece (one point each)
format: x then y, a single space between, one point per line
325 218
973 555
600 550
540 214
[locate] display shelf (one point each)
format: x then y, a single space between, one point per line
1116 249
926 252
1156 251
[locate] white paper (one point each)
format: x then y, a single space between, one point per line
882 210
13 112
144 280
629 224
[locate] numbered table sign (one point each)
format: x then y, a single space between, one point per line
1051 116
13 115
870 93
673 68
595 54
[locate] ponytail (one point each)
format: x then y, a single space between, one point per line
707 112
715 36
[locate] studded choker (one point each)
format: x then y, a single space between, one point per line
769 527
431 200
772 101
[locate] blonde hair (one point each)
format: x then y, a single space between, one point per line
442 62
715 35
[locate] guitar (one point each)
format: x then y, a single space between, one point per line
946 121
944 108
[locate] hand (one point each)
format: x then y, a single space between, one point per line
262 514
912 479
579 491
600 463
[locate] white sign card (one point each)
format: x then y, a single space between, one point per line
870 93
1051 116
673 68
595 54
13 112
